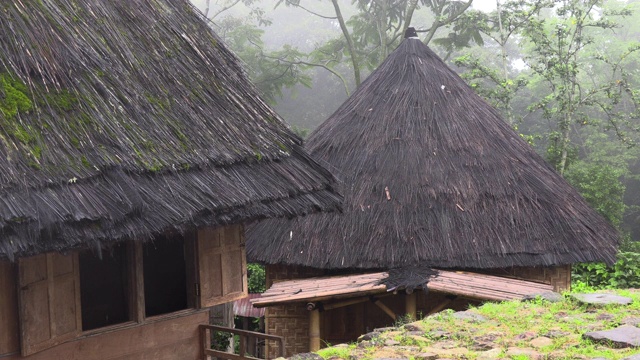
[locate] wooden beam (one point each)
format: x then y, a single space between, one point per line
385 308
314 330
410 305
440 306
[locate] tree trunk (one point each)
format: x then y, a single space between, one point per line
347 36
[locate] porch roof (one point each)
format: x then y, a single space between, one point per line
462 283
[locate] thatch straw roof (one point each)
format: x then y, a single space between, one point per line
432 175
124 119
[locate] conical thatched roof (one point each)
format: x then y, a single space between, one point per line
432 175
123 119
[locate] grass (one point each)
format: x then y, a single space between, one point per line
509 325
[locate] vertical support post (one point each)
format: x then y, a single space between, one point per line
314 330
410 305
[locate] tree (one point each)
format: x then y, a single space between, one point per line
557 51
497 82
270 70
376 29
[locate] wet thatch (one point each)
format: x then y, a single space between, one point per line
123 119
432 175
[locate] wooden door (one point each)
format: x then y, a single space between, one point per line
222 267
49 301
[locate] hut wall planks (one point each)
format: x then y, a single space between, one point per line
166 338
9 342
557 276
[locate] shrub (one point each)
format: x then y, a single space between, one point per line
625 273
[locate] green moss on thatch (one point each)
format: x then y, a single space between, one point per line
14 97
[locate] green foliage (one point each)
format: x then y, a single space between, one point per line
601 187
333 352
270 71
256 278
625 273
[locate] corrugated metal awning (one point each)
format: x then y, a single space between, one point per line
466 284
243 307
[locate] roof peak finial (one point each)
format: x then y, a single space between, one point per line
410 33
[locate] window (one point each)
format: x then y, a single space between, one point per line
165 276
63 295
104 288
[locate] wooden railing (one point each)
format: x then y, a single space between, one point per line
244 335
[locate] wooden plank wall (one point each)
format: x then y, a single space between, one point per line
9 340
166 339
557 276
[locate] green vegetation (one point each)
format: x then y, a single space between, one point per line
508 325
14 96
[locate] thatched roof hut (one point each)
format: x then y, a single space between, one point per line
126 119
432 175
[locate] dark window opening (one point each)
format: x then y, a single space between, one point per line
165 276
104 288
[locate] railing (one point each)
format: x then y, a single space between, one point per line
244 335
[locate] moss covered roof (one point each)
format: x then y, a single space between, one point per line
122 119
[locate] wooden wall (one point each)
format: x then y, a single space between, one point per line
174 338
557 276
9 335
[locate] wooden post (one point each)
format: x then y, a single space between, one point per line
314 330
410 305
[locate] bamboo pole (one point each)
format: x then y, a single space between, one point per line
410 305
314 330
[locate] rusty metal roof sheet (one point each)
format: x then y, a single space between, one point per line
467 284
243 307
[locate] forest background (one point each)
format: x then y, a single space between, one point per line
564 73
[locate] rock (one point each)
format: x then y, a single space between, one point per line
490 354
550 296
438 334
415 326
364 344
555 334
602 299
530 353
469 316
526 336
306 356
390 342
445 345
482 346
425 356
632 357
384 358
384 329
620 337
604 317
340 346
540 342
631 320
369 336
414 333
456 352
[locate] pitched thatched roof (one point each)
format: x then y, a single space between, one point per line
123 119
432 175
